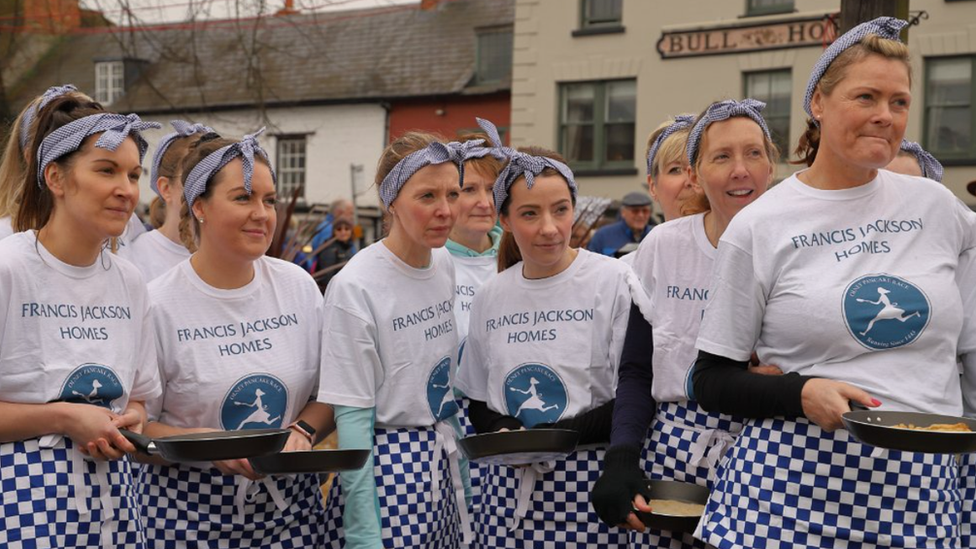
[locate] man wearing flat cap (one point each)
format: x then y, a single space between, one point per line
634 224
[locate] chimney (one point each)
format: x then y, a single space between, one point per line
52 16
427 5
289 8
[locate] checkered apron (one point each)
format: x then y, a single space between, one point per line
554 509
53 497
967 487
475 471
416 491
789 484
189 507
685 443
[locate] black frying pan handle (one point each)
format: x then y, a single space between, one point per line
857 406
142 443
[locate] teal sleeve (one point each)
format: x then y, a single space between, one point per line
462 461
361 513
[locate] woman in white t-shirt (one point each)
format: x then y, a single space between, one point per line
13 163
388 350
846 282
543 350
76 354
732 154
473 245
156 252
237 336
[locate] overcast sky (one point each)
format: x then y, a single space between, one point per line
165 11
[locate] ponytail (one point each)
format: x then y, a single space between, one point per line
508 252
807 146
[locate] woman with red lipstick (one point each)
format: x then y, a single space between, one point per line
238 339
76 354
731 160
543 349
846 282
388 359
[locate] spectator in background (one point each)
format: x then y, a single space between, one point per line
634 224
338 252
339 209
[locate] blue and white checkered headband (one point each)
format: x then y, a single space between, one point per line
497 150
885 27
682 121
30 114
435 153
183 129
530 166
931 168
196 182
113 127
723 110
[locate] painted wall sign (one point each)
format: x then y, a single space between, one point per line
795 33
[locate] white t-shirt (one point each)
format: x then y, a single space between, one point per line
966 280
855 285
154 254
132 230
236 359
79 334
471 273
674 264
389 338
6 227
548 349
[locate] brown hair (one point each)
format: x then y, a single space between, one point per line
872 44
13 167
169 167
199 149
487 165
508 250
37 203
700 202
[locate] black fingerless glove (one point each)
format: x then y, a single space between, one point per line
622 479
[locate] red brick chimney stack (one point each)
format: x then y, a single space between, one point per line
428 5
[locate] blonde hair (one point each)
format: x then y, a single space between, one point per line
671 149
872 44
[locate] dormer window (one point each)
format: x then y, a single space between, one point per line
109 81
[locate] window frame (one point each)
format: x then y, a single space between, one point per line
784 154
967 158
284 171
588 25
755 11
479 33
599 165
106 91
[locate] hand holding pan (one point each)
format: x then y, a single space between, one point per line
211 446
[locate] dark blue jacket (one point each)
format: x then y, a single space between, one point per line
611 238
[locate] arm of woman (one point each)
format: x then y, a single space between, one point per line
321 417
84 424
361 513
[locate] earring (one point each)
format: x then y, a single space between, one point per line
200 219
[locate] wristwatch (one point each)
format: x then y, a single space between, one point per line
305 430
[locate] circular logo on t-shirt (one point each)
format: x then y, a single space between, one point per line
440 397
885 312
535 394
93 384
257 401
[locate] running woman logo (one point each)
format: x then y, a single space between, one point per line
885 312
93 384
534 394
257 401
440 394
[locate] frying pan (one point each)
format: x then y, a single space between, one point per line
312 461
519 447
212 446
675 491
875 428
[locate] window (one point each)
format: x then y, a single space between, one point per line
767 7
109 81
597 124
773 88
949 111
600 13
494 55
291 166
